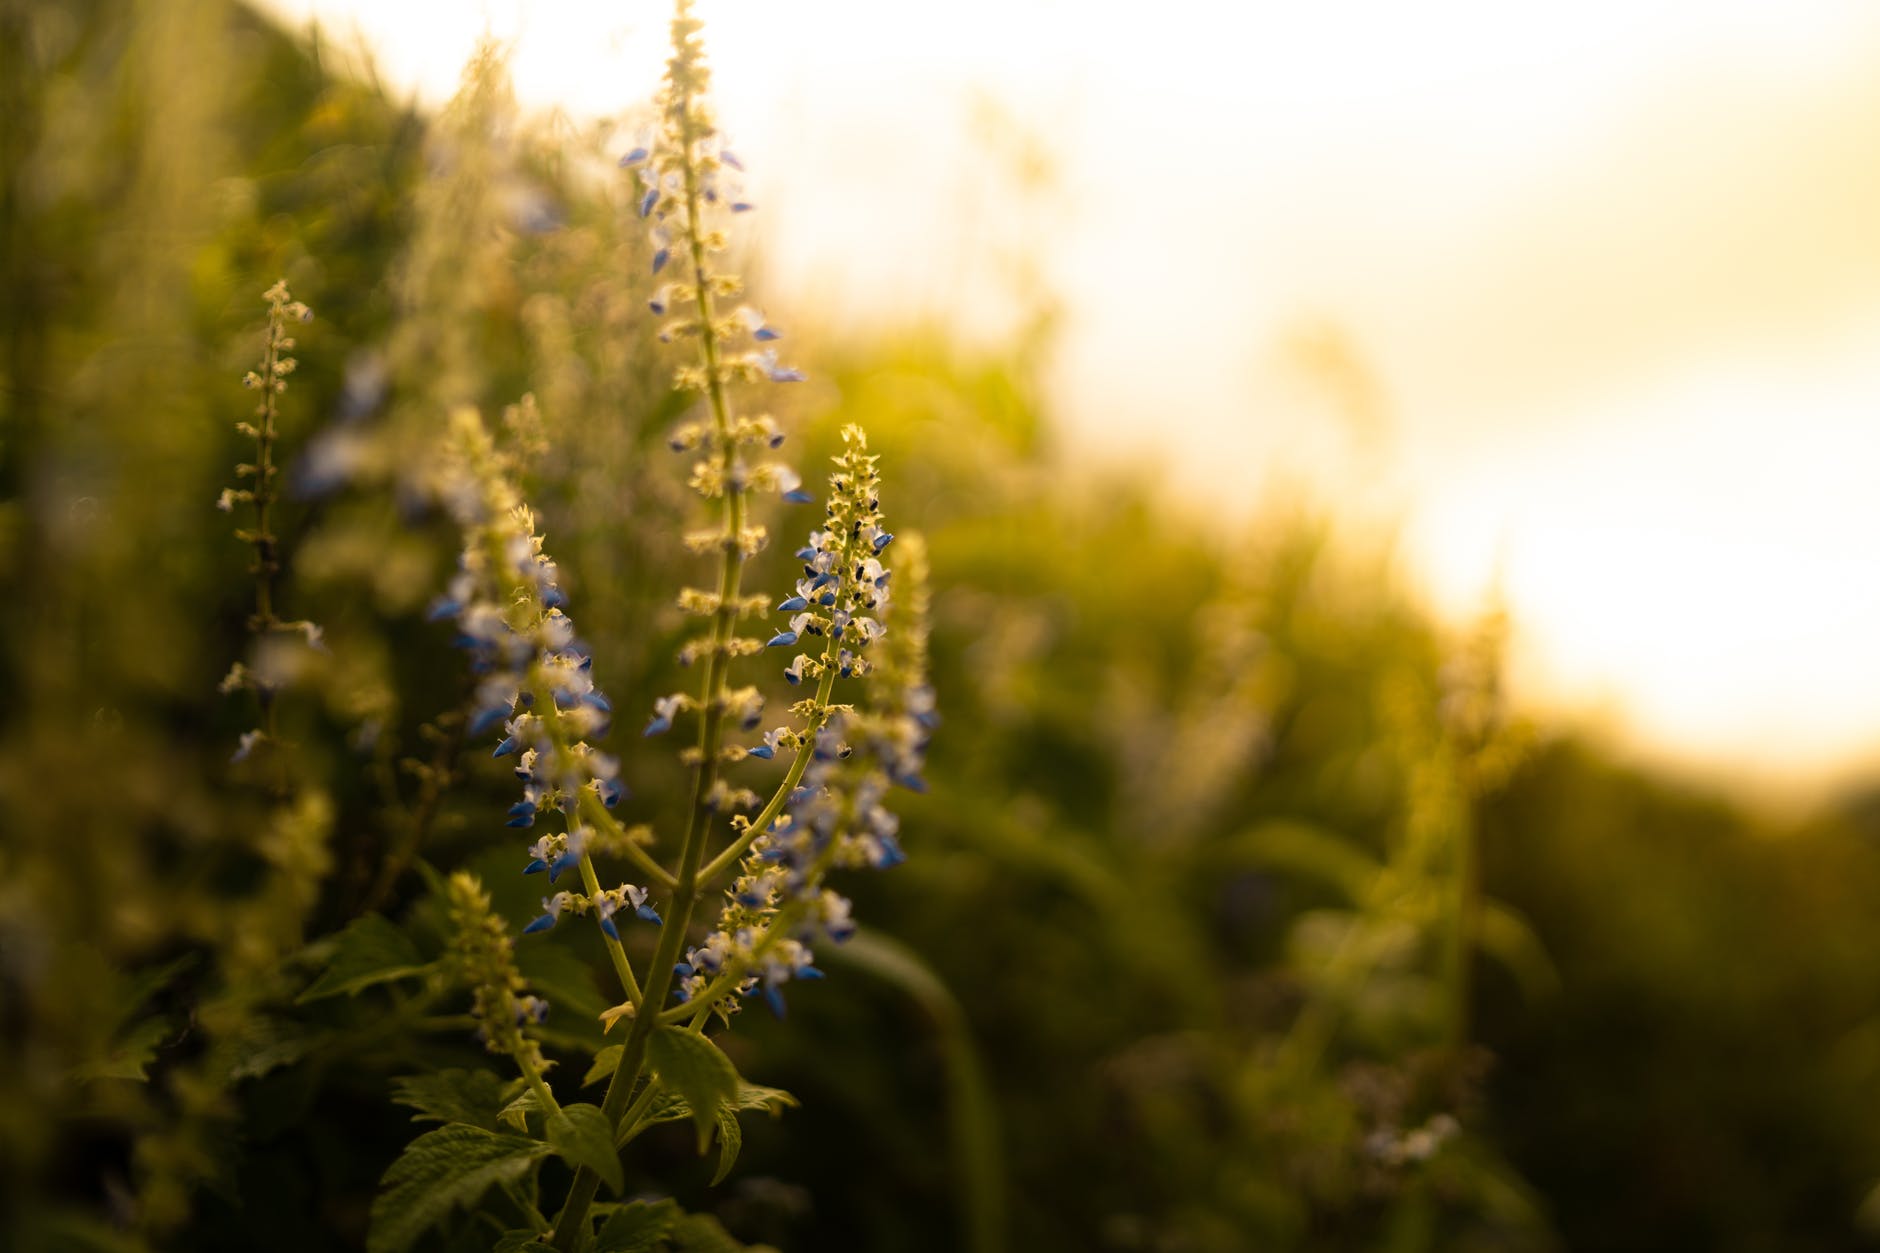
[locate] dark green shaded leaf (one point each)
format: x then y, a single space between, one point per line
473 1097
637 1227
605 1063
438 1172
130 1056
370 950
584 1136
697 1070
701 1233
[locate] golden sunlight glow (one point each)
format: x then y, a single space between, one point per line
1610 272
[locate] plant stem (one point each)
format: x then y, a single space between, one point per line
571 1226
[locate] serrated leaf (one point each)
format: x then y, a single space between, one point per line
671 1107
701 1233
516 1113
697 1070
730 1141
584 1136
637 1227
522 1240
605 1063
267 1044
473 1097
438 1172
130 1056
370 950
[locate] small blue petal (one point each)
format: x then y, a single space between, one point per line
883 540
764 751
443 609
792 605
651 915
486 718
611 793
507 747
731 160
658 725
774 999
742 206
635 157
660 258
782 639
649 200
764 334
535 867
809 972
607 927
540 924
799 497
567 861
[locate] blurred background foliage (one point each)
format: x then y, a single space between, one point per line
1240 914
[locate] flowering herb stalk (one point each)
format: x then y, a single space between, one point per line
260 492
534 693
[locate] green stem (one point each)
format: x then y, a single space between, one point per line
630 1121
539 1086
622 966
597 815
781 797
571 1226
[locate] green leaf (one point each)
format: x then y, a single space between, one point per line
516 1113
267 1044
701 1233
671 1107
473 1097
522 1240
131 1055
370 950
697 1070
439 1171
730 1141
637 1227
605 1063
584 1136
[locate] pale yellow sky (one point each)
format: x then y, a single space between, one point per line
1614 269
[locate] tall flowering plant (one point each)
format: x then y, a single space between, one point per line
741 897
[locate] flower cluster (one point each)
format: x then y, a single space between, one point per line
534 676
688 176
844 582
483 957
604 905
836 816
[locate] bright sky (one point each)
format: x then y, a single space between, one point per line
1604 276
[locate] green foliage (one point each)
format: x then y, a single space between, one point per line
584 1136
472 1097
697 1071
441 1171
370 951
1198 966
